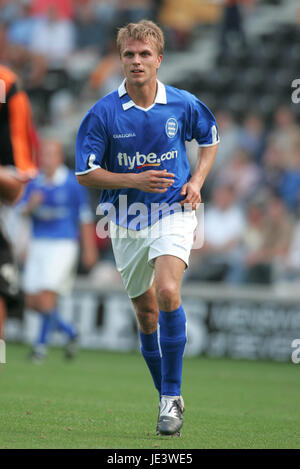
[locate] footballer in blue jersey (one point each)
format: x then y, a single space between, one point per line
61 217
131 146
64 205
121 137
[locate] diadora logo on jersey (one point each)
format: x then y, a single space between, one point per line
126 135
171 127
140 161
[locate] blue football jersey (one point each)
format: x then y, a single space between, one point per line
121 137
65 205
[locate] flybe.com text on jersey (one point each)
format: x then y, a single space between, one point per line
139 159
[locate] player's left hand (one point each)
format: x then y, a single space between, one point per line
192 193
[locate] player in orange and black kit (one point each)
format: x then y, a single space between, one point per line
17 137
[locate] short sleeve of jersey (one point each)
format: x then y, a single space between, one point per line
203 126
91 144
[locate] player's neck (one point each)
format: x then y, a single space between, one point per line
144 95
49 174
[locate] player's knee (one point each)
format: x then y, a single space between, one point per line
147 321
47 301
32 301
168 296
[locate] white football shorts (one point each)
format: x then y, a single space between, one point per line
135 251
50 265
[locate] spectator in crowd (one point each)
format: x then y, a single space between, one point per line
90 34
107 74
252 136
255 269
156 7
31 67
272 162
232 31
3 42
54 38
292 263
289 185
220 257
108 13
135 10
230 138
285 133
242 173
264 263
20 28
15 39
229 130
64 8
9 10
180 20
60 213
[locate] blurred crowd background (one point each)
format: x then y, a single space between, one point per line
239 57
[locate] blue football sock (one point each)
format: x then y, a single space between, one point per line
45 328
151 354
62 325
172 339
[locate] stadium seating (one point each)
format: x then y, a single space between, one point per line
256 77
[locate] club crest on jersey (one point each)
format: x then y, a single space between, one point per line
171 127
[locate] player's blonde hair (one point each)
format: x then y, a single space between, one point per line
144 30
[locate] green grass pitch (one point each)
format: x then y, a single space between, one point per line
106 400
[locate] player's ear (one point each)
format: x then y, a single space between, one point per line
159 60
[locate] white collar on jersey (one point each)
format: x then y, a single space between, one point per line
160 98
59 177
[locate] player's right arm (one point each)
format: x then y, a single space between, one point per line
147 181
92 143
